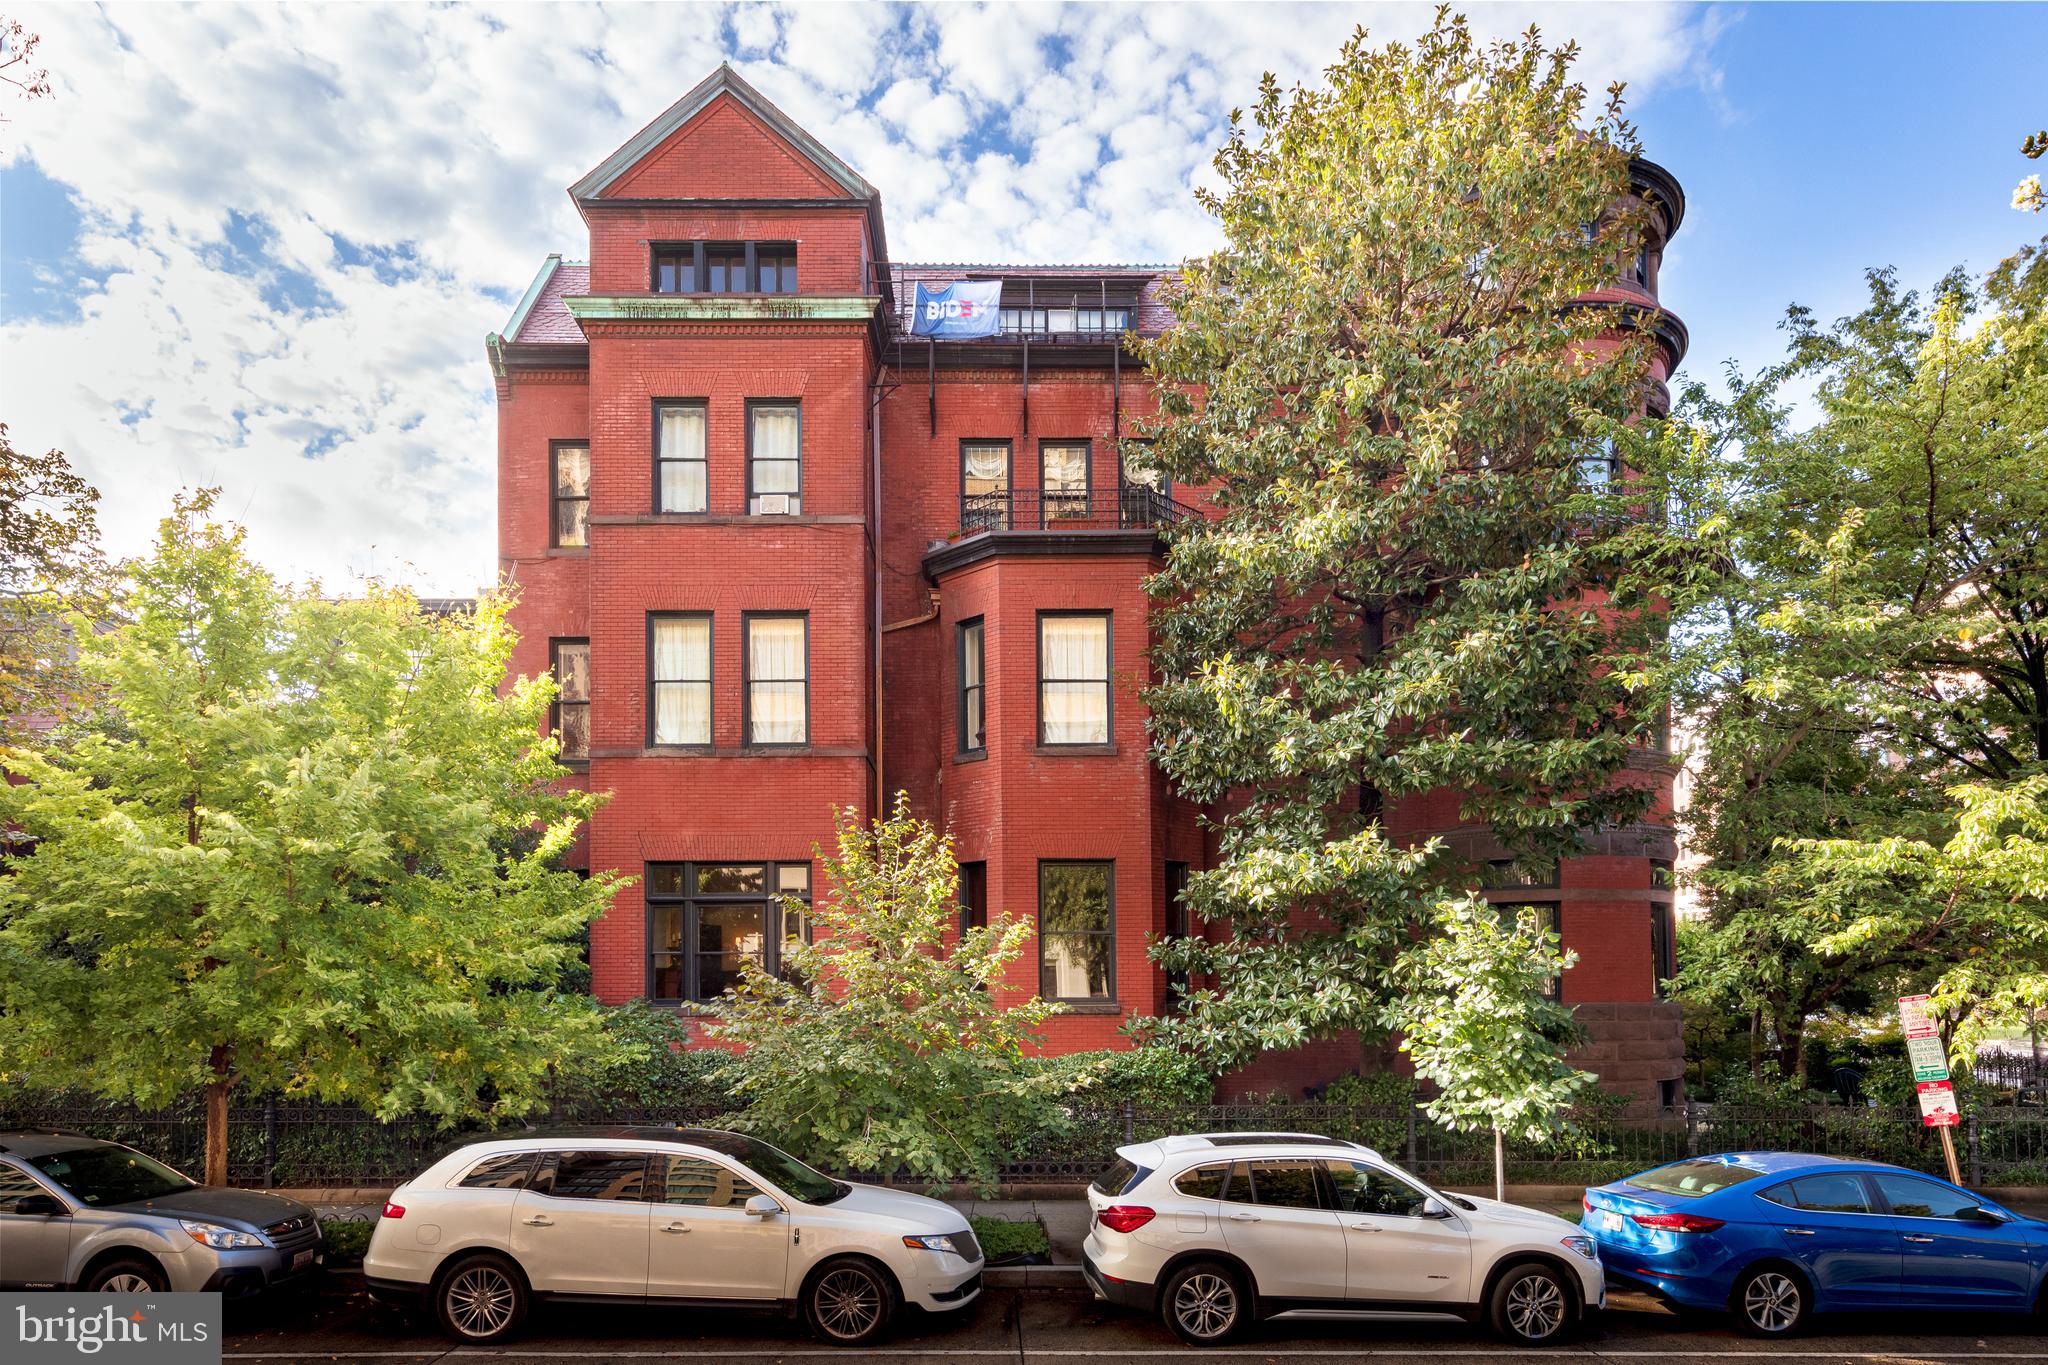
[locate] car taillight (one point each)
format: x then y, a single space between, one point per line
392 1210
1125 1217
1586 1201
1677 1222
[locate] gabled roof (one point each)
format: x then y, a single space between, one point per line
724 81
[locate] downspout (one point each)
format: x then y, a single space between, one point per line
875 574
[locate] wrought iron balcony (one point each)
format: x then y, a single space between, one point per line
1133 507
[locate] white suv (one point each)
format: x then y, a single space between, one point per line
1214 1231
663 1215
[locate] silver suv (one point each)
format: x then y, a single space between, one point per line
79 1213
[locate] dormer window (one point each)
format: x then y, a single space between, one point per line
724 268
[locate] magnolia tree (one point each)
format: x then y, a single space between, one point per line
1422 576
1479 1021
298 845
888 1042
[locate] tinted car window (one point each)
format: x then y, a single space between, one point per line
1690 1179
593 1175
100 1176
1120 1177
1911 1198
507 1171
1839 1193
1366 1189
1203 1182
1286 1184
706 1184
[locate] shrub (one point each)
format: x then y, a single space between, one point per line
1004 1238
347 1239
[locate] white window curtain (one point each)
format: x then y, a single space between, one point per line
777 452
776 680
1073 673
683 471
1066 469
985 469
682 686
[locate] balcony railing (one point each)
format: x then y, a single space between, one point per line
1134 507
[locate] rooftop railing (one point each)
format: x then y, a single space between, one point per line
1134 507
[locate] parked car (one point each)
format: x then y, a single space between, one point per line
78 1213
663 1215
1775 1237
1215 1231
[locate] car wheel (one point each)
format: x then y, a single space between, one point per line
482 1299
1770 1301
850 1303
1205 1303
1531 1305
127 1275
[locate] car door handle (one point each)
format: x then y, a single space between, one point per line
1364 1227
1800 1232
677 1227
540 1220
1244 1218
1916 1237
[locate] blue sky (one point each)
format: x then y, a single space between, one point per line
259 246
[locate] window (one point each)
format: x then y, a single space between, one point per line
775 466
984 486
778 680
1520 872
1291 1184
1176 927
1102 321
973 896
15 1186
706 1185
1142 471
569 717
619 1176
1547 916
1063 478
1694 1177
675 269
1838 1193
1665 965
1076 923
704 920
1203 1182
1073 678
973 710
725 268
1599 469
776 262
1911 1197
1121 1177
682 481
679 678
1639 268
571 479
1367 1189
505 1172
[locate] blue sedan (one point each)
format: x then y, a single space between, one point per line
1775 1237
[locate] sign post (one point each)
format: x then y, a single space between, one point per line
1930 1075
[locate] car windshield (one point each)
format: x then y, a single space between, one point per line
798 1180
99 1176
1691 1179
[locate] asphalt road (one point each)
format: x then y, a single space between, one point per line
1069 1328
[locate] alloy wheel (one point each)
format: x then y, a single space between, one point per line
849 1303
480 1301
1771 1302
1535 1307
127 1282
1205 1305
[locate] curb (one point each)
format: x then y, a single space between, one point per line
1034 1277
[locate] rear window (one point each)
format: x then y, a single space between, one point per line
504 1172
1121 1176
1691 1179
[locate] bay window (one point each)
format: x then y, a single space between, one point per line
1076 930
1073 678
778 683
705 921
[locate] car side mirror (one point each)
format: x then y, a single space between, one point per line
1434 1208
761 1206
1981 1214
39 1206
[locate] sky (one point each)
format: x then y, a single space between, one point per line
259 247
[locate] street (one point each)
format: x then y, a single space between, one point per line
1063 1327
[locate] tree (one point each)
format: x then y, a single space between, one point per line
1865 627
50 568
882 1045
1413 583
298 845
1478 1020
2026 196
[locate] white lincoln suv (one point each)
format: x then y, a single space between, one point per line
662 1215
1215 1231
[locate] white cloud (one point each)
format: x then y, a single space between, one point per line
309 215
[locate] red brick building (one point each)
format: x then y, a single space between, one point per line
783 559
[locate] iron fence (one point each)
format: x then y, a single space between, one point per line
280 1144
1132 507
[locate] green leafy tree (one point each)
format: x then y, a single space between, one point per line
1413 584
51 570
1864 627
1478 1021
883 1045
300 845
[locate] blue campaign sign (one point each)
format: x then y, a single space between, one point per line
970 308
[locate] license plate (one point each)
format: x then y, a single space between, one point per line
1610 1221
301 1259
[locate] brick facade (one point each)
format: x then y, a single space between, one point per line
886 562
